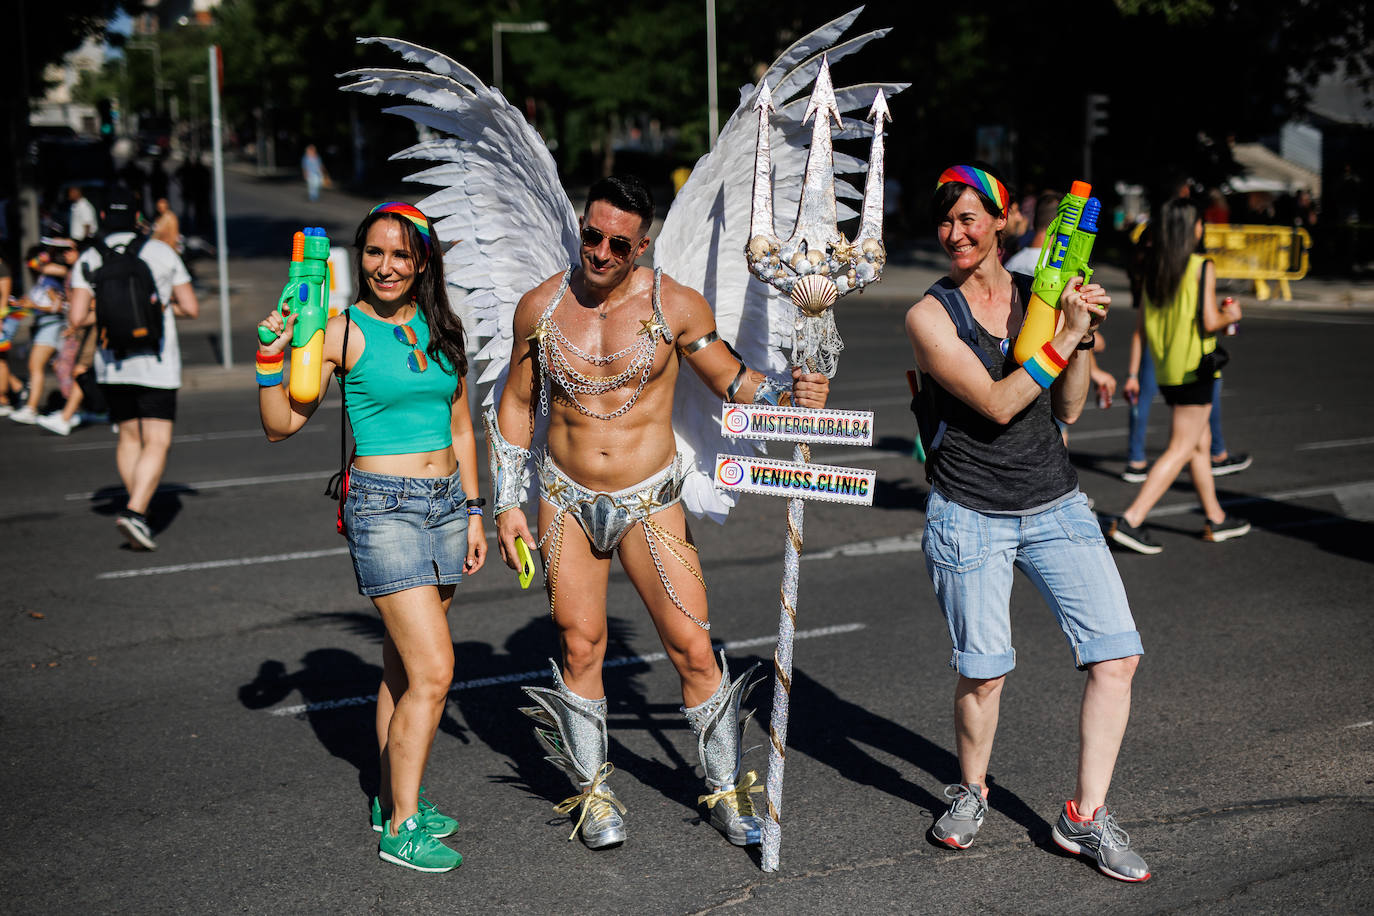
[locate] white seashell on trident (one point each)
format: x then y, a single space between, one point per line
817 264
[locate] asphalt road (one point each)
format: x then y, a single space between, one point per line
190 730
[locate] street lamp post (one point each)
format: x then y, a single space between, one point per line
496 29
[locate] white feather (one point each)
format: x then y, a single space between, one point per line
500 199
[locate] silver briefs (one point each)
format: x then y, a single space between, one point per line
606 517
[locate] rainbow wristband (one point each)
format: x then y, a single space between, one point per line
1045 366
269 369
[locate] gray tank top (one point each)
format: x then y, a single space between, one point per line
1015 469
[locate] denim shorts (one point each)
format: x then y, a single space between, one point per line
405 532
970 557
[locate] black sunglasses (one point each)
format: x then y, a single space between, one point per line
621 247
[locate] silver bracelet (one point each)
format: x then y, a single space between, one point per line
509 475
771 391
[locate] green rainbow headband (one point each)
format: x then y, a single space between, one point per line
979 180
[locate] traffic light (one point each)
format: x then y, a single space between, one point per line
1096 116
106 111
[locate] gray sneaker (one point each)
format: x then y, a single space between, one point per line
959 825
1104 840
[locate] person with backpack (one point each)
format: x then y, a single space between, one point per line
1179 321
138 288
1004 496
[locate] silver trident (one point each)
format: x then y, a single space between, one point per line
815 267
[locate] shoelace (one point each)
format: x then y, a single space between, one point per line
591 800
1113 836
736 796
968 804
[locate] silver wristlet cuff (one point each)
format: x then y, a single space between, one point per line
508 467
770 391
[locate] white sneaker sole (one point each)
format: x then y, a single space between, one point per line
1125 540
395 860
1077 849
134 536
1216 537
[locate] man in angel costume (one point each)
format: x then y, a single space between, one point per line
598 348
592 402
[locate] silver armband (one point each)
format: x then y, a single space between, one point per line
772 392
700 343
508 467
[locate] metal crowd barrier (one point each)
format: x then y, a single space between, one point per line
1259 253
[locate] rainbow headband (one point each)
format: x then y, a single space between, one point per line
979 180
400 208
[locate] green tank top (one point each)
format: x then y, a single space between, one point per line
393 410
1171 328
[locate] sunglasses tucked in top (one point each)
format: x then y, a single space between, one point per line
621 247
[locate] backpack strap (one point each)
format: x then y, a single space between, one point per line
956 306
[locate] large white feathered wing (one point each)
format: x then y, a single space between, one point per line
499 196
703 238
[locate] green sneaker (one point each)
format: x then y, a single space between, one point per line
435 824
412 847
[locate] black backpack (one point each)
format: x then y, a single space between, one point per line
128 309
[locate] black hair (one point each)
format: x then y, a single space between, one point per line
624 192
948 193
1046 208
1173 238
447 342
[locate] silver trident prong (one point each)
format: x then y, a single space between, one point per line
817 264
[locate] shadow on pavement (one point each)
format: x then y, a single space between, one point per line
838 733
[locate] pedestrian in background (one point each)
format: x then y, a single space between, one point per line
82 223
1004 496
312 169
49 264
1178 322
140 386
10 387
412 515
166 227
1140 386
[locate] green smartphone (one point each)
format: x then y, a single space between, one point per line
522 553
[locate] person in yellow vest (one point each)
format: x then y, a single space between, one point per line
1179 321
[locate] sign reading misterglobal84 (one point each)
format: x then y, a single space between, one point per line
797 424
789 478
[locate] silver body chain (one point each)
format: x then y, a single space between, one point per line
553 346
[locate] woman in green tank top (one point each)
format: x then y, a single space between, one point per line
1179 317
413 532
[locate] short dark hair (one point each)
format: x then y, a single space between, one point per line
1046 208
624 192
121 211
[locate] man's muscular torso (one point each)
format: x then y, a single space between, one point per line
611 454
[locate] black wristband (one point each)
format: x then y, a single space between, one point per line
477 503
1087 344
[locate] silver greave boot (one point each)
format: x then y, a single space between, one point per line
572 729
720 733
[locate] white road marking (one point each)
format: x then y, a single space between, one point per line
542 673
109 444
906 543
221 484
1358 496
220 564
1335 443
1362 724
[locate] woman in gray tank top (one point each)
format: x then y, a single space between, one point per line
1004 497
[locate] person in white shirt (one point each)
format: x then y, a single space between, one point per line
140 387
82 220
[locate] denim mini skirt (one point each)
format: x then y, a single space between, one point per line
405 532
